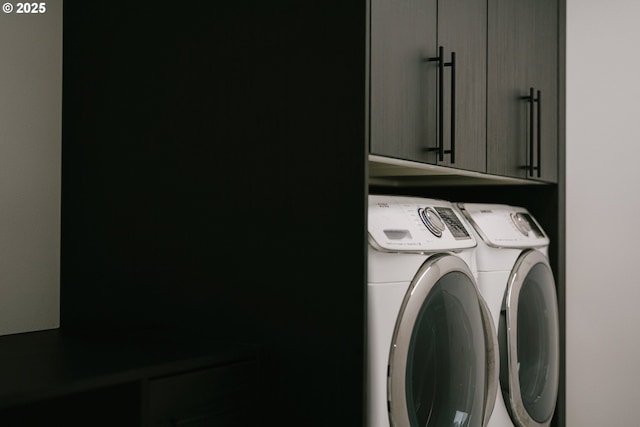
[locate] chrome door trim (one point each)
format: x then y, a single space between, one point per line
426 278
520 271
492 359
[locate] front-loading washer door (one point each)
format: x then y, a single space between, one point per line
442 366
529 342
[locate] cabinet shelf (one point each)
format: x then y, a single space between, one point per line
391 172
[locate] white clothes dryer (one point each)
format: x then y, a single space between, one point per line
516 281
432 354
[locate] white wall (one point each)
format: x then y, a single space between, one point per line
603 212
30 168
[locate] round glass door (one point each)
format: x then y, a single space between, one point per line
438 363
529 335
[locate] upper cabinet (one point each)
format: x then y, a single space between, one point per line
427 57
522 126
403 80
467 84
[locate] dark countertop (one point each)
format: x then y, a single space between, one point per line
46 364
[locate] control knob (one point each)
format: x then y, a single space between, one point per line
432 220
521 223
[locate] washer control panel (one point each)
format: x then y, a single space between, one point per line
504 226
399 223
453 223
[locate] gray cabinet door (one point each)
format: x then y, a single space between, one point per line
403 82
522 55
462 28
544 77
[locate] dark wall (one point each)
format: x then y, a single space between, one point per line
214 181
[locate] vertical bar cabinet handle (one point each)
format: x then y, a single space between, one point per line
441 103
452 64
440 146
531 127
539 101
441 64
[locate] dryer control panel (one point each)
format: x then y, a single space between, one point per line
398 223
504 226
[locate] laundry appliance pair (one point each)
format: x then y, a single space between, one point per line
462 316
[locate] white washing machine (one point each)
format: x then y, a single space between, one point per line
432 354
516 281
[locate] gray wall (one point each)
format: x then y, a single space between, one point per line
30 168
603 203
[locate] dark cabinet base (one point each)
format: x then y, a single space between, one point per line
105 407
115 379
219 396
